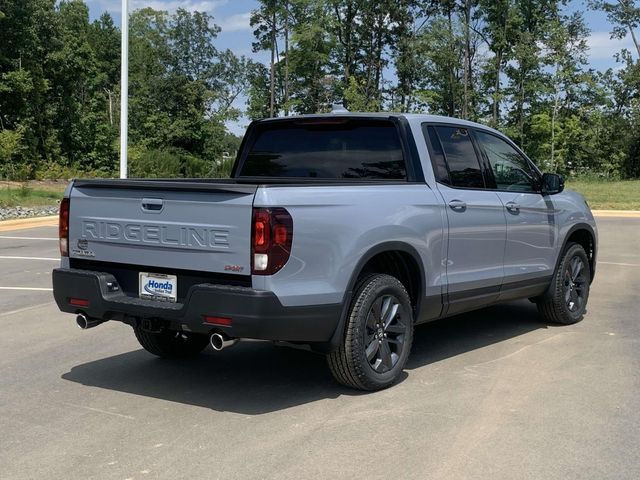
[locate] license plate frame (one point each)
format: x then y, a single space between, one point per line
160 287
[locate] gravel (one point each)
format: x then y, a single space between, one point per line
27 212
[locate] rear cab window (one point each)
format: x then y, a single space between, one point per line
320 148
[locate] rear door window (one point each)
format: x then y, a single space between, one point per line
326 149
437 155
461 159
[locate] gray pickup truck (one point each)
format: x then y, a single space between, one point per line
340 232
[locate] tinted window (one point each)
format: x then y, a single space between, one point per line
349 149
464 168
437 155
510 169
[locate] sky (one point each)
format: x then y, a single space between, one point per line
233 17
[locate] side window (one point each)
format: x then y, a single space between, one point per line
510 169
462 162
437 155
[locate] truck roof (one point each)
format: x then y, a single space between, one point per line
411 118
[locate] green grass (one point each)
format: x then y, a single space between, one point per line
608 194
24 196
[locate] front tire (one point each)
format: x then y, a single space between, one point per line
171 344
565 302
378 335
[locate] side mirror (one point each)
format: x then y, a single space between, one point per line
552 183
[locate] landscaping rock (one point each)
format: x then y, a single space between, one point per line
27 212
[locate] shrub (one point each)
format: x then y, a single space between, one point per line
153 164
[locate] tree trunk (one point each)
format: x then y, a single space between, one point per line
521 110
452 104
377 93
467 57
635 40
286 58
554 114
110 94
496 89
273 67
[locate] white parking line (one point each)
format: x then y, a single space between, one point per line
6 237
33 289
4 257
620 264
25 309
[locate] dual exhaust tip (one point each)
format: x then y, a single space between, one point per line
220 341
85 322
217 340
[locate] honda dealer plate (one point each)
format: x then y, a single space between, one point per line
158 286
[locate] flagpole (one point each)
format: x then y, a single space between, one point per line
124 90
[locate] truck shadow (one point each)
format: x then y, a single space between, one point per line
253 378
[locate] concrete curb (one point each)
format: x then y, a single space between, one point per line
617 213
24 223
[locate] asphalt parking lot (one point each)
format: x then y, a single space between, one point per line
493 394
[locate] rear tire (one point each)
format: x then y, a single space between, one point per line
565 302
378 335
171 344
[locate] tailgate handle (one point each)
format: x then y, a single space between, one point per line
153 205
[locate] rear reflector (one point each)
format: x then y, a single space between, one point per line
78 302
222 321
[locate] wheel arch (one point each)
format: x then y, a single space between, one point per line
369 263
583 234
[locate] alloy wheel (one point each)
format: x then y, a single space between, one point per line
385 333
574 285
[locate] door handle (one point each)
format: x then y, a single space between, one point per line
154 205
458 205
513 207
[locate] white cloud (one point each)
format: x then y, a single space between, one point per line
603 47
170 5
236 22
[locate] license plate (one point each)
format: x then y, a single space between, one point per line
158 286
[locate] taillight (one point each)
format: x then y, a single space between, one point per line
271 239
63 227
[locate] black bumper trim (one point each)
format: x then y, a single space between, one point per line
254 313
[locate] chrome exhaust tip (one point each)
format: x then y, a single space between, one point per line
85 322
219 341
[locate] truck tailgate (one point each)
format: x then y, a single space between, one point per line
202 226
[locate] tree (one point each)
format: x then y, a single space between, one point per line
567 45
526 73
313 75
498 32
625 17
265 21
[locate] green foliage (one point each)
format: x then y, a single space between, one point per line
222 168
59 91
153 164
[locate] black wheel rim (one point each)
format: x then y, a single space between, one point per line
575 285
385 333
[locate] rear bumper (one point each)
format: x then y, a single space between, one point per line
253 313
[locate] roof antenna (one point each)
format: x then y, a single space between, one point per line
338 108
